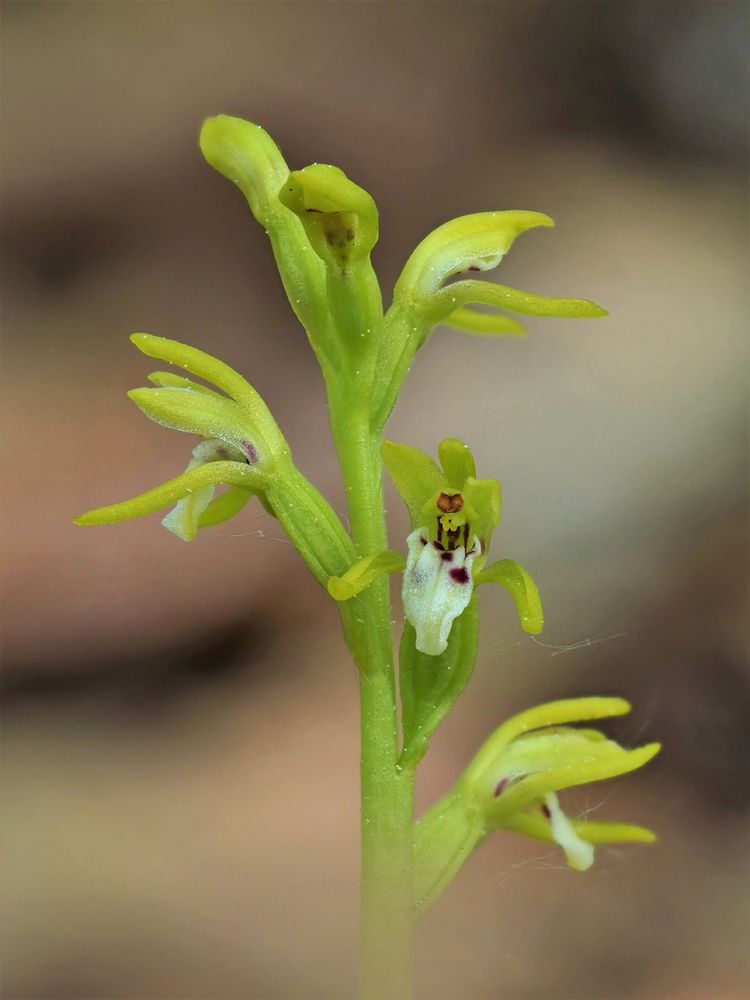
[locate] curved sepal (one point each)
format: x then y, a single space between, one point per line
208 416
457 462
213 370
247 156
470 243
549 716
415 475
521 588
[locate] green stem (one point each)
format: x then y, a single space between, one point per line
387 791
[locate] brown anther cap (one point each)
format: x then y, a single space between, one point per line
450 504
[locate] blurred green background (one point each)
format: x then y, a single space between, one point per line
180 722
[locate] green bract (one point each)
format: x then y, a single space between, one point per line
322 227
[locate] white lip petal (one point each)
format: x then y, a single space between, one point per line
579 854
437 587
182 520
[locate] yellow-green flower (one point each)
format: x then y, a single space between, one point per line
453 516
242 445
513 783
242 448
515 776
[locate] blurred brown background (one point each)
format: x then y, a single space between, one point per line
180 781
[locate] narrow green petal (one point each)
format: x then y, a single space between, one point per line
457 462
198 413
602 832
225 506
522 589
363 573
415 475
483 324
170 380
534 824
210 474
503 297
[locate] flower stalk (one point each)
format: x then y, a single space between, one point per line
322 228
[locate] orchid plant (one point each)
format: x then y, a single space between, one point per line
322 228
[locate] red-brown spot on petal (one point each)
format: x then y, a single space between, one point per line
459 574
500 786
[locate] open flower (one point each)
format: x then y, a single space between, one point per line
513 783
516 775
438 578
242 448
453 515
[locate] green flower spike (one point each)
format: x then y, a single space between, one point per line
243 449
512 784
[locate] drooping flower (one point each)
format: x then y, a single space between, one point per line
516 775
513 784
242 448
